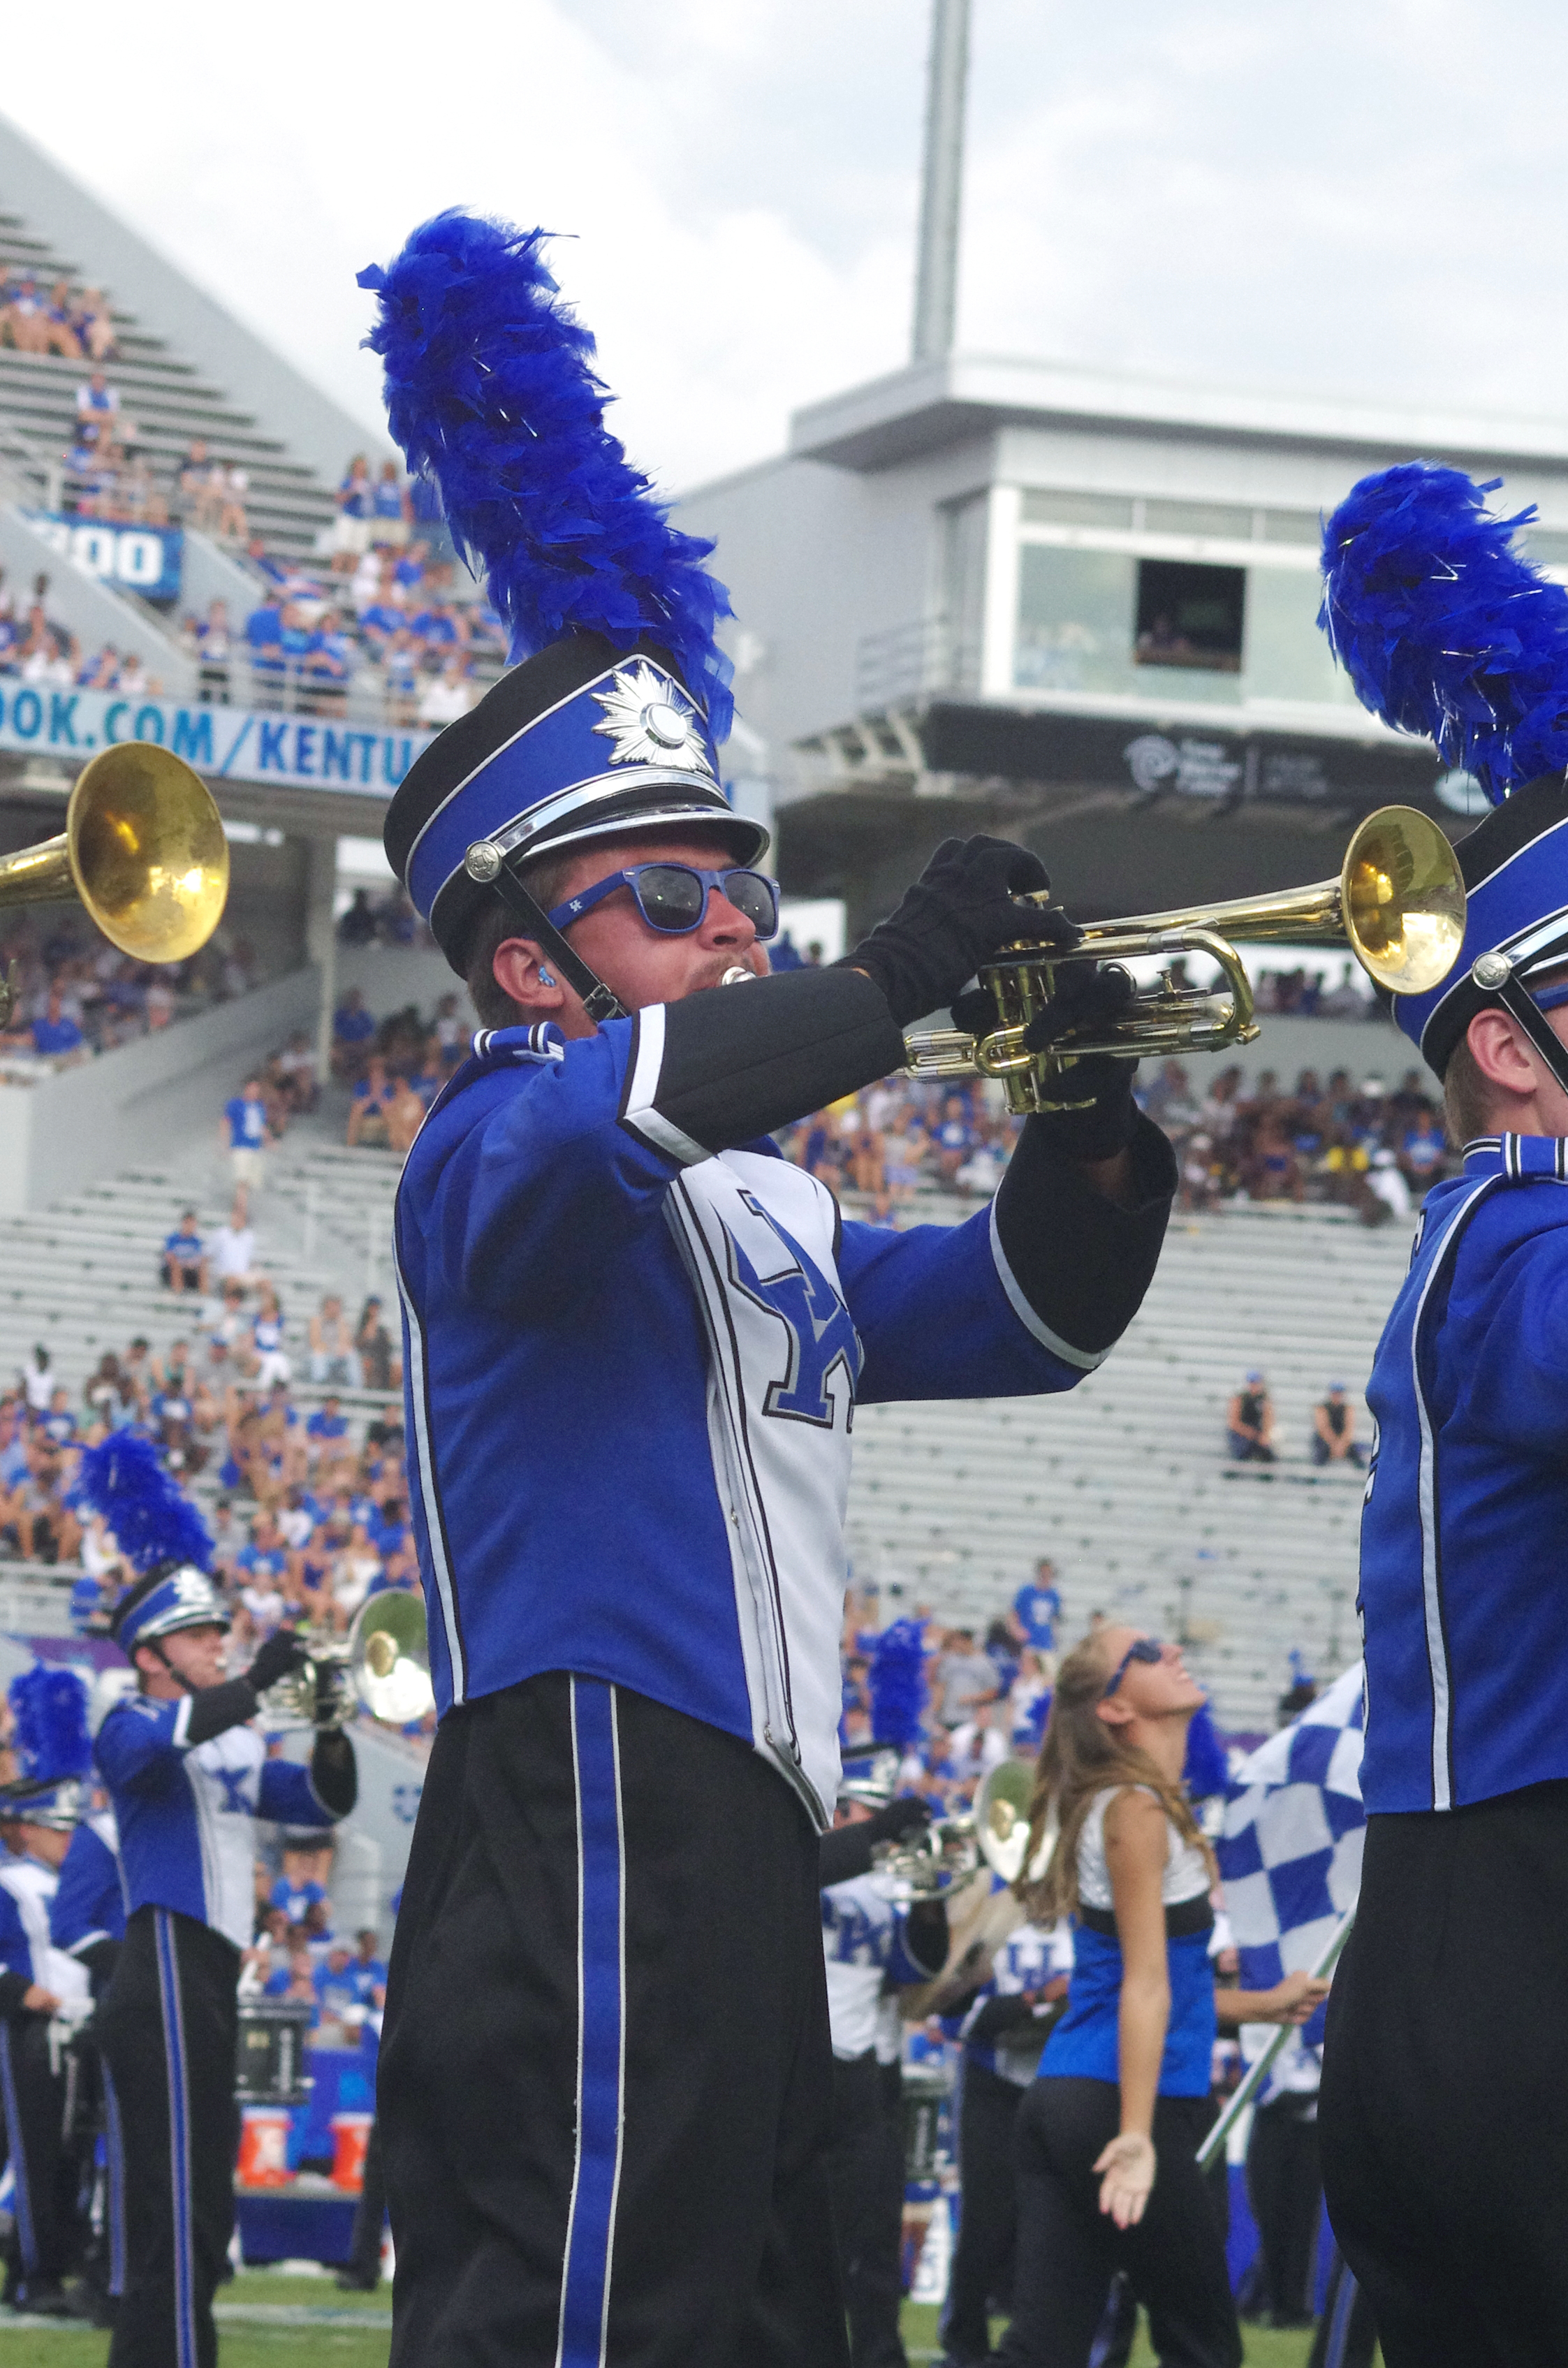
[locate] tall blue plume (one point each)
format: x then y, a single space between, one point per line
1443 628
1206 1771
897 1681
490 389
49 1707
152 1519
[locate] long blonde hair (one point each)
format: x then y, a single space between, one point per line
1083 1755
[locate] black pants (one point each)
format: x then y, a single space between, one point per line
642 2183
169 2031
982 2261
866 2174
45 2234
1285 2190
1443 2120
1068 2250
365 2245
1346 2333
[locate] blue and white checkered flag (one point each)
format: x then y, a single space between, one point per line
1290 1848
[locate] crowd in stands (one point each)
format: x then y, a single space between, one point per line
56 318
1338 1141
76 994
395 1067
382 619
295 1952
39 650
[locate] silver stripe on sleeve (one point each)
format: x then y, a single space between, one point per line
1085 1360
639 1114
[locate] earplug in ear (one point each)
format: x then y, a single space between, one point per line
545 979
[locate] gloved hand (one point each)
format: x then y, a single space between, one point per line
900 1821
1088 998
282 1652
959 910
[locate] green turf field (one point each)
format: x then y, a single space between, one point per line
266 2320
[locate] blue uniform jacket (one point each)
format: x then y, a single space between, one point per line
1464 1594
89 1906
631 1367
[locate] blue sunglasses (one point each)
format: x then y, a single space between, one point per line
672 897
1148 1650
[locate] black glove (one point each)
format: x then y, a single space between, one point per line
959 910
1088 998
899 1821
282 1653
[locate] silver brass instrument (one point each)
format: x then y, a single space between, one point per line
382 1665
1399 901
943 1855
143 849
1002 1817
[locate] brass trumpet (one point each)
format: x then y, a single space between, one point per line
143 849
1399 901
382 1665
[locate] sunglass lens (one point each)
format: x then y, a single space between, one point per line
753 896
671 897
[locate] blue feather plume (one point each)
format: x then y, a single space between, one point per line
1443 628
490 389
1206 1771
153 1520
897 1682
50 1738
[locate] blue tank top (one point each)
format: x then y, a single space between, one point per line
1084 2046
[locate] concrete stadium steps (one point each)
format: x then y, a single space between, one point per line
1124 1481
167 399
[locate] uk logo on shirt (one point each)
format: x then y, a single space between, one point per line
823 1341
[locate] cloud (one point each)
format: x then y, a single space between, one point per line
1363 197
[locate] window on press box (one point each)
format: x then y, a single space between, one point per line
1190 615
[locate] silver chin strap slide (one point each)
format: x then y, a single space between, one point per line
1496 977
486 863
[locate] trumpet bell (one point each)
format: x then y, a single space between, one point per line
147 850
389 1658
1002 1817
1402 900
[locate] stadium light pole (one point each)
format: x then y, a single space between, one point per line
936 276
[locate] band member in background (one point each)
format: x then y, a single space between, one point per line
39 1988
187 1775
1445 2144
634 1337
87 1919
876 1945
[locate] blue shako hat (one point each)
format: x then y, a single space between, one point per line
618 693
161 1534
52 1747
1444 629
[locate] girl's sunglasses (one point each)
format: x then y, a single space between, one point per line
672 897
1148 1650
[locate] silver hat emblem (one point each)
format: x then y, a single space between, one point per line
650 723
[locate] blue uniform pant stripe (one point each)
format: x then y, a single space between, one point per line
1339 2324
601 2036
179 2136
27 2235
114 2154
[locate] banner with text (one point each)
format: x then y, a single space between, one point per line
145 559
227 744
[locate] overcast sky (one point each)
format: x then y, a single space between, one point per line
1366 196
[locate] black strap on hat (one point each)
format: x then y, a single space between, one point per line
1495 977
486 863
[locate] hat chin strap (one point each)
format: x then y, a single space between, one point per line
1498 981
486 863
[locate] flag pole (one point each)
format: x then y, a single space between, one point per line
1257 2072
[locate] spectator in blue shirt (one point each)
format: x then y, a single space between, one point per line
185 1257
368 1971
264 633
59 1424
388 513
55 1036
328 1423
244 1124
1037 1608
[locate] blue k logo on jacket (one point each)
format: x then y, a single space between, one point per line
823 1341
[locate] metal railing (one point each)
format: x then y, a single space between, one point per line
910 660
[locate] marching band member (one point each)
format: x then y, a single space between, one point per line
40 1987
634 1337
1445 2143
875 1945
87 1919
1001 2006
187 1775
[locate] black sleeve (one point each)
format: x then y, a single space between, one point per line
334 1772
99 1959
1082 1263
844 1852
214 1709
726 1067
13 1989
997 2017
